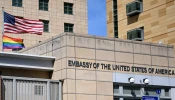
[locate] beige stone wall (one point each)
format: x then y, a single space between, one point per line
157 19
110 20
25 73
55 15
96 84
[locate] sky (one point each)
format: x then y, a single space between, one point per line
97 17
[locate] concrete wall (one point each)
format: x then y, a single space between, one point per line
55 15
172 93
96 84
157 19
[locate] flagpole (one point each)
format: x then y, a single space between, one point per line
2 27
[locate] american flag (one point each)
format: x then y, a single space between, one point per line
17 25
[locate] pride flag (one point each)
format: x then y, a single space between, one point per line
12 43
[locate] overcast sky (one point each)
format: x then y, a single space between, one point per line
97 17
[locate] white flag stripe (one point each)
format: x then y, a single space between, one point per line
28 21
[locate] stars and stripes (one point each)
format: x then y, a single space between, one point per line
17 25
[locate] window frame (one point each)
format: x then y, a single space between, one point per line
68 26
45 24
43 5
68 8
131 13
17 3
136 39
39 90
115 18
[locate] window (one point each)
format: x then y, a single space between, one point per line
135 34
38 90
68 27
131 90
151 90
167 92
134 8
46 25
116 88
15 50
68 8
43 5
17 3
115 17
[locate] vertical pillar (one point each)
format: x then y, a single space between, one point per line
121 90
14 89
60 90
172 93
142 90
162 93
48 90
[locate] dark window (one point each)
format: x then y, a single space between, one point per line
151 90
38 90
17 3
131 90
46 25
135 6
68 27
43 5
136 34
15 50
115 17
167 92
68 8
116 88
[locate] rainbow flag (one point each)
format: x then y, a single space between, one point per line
12 43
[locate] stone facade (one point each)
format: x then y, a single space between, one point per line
92 76
157 19
55 15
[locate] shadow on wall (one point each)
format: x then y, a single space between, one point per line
132 19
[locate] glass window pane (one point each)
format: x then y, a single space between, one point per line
20 1
115 12
46 8
150 91
128 8
19 5
45 4
138 6
68 27
68 8
70 12
115 18
116 88
70 30
131 90
167 92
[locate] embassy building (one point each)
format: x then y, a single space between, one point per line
142 20
83 67
58 16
